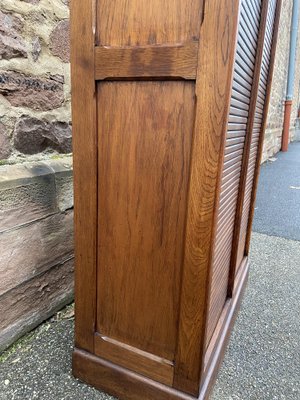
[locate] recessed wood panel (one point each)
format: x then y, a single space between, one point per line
144 143
144 22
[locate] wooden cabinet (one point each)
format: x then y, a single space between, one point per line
169 110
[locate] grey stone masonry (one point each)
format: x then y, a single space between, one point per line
36 244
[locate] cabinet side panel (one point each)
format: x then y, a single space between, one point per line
144 22
85 169
234 148
257 128
144 142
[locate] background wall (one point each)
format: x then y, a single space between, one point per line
278 92
36 203
34 79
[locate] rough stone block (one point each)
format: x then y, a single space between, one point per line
32 136
11 43
27 305
10 23
36 48
64 183
31 191
35 92
34 248
60 41
12 47
5 146
36 244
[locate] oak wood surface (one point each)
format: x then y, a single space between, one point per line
216 351
144 22
121 382
85 169
152 83
147 364
214 79
144 155
127 385
170 62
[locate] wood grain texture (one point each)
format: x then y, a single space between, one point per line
85 169
170 62
144 22
149 148
263 128
144 155
216 350
234 149
121 382
136 360
214 80
247 147
127 385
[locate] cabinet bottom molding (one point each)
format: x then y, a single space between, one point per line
127 385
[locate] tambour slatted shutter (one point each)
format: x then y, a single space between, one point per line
257 130
234 150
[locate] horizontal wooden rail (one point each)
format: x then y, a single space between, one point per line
171 62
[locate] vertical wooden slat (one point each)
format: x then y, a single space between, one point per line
85 169
213 88
249 131
263 128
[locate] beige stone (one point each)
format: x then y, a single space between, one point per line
29 250
29 304
32 191
5 145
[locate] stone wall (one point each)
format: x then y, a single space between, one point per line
36 244
278 92
34 80
36 195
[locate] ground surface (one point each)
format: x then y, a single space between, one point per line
263 357
278 197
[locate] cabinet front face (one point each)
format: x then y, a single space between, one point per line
144 135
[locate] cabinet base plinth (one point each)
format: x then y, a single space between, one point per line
128 385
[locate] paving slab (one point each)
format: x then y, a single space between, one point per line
262 361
